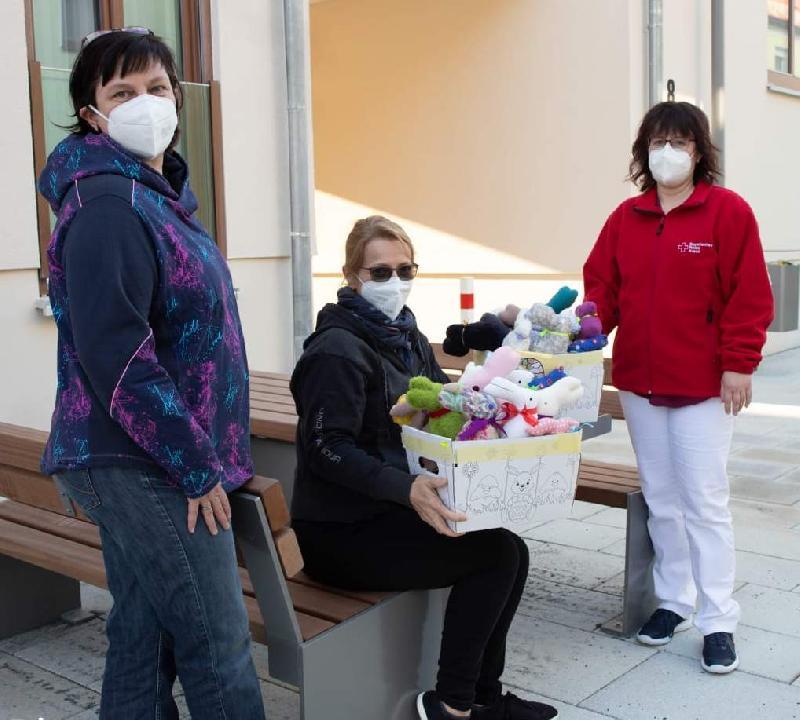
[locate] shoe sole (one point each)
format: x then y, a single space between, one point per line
421 708
656 642
720 669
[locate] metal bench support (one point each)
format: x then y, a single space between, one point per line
31 597
639 600
374 664
272 594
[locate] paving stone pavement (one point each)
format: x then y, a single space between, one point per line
558 650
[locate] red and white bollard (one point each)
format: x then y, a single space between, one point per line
467 300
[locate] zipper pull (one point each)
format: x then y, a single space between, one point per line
660 228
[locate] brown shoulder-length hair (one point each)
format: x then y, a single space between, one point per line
374 227
674 118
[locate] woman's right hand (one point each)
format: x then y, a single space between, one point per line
429 506
215 508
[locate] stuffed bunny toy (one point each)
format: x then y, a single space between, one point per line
552 400
519 406
499 364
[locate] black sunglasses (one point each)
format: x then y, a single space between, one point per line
382 273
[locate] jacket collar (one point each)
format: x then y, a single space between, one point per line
648 202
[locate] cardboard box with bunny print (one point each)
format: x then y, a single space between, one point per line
507 483
587 367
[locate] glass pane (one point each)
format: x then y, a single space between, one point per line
59 26
163 17
796 59
195 146
778 35
57 105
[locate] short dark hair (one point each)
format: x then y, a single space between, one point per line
678 118
99 61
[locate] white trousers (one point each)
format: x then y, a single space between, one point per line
682 454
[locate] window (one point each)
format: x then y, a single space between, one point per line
55 30
783 45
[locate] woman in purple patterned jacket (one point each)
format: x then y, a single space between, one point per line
150 427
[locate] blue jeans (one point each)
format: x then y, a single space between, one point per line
178 607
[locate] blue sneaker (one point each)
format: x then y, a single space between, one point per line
719 653
661 626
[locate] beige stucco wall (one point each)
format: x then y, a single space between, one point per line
27 353
250 64
498 131
762 145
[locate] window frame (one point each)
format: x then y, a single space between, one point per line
786 82
197 45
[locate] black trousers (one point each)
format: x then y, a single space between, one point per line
398 551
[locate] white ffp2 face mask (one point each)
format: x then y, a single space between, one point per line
670 167
389 297
143 125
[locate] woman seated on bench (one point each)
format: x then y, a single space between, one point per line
362 520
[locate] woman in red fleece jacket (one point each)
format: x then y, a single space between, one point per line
679 272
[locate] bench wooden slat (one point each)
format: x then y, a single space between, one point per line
449 362
323 604
288 552
21 447
624 472
268 401
309 626
61 526
65 557
281 382
602 495
272 498
30 488
272 388
259 374
328 604
363 595
273 425
611 404
607 362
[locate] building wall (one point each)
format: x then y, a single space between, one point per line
27 353
499 132
762 146
248 51
250 63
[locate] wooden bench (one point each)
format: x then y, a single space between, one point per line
274 424
390 640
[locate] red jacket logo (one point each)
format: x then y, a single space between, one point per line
694 248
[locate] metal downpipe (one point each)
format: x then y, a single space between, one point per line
296 31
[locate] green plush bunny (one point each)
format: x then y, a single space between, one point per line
423 394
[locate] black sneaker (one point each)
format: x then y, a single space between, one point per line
719 653
511 707
429 707
661 626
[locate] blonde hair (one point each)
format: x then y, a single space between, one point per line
374 227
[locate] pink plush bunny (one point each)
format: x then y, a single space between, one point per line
499 364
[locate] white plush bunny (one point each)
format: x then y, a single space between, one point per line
522 401
550 401
521 377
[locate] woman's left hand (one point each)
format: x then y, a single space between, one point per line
736 391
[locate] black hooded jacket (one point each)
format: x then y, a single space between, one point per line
351 464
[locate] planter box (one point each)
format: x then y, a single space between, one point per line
507 483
